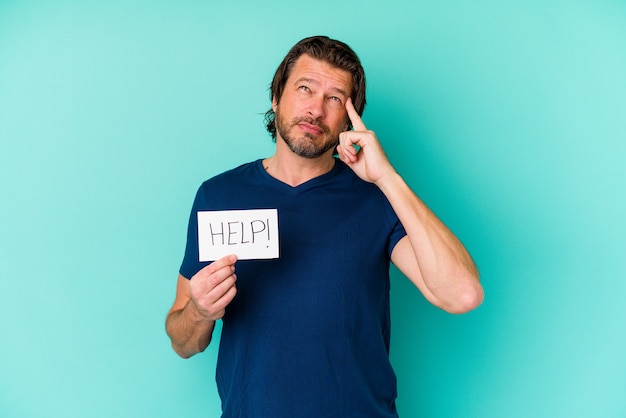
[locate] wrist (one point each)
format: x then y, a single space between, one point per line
196 314
389 180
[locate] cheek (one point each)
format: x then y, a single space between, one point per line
343 123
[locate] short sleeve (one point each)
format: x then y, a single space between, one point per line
397 229
191 261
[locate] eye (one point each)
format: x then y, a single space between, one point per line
335 100
304 88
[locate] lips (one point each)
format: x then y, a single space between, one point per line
310 128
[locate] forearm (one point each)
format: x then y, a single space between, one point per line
442 262
188 331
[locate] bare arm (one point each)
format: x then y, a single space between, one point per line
199 303
430 255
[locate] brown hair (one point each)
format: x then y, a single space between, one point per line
335 53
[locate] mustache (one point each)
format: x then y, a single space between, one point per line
310 121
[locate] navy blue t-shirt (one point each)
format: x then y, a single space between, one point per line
308 333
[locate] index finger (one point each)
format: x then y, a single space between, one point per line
219 264
355 119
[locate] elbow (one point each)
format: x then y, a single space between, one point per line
186 352
181 352
469 297
469 301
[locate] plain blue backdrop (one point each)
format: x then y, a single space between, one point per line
507 118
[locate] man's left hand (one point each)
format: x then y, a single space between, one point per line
361 150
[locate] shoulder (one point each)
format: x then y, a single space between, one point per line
365 193
347 177
243 170
230 188
233 176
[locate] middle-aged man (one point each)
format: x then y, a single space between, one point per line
307 334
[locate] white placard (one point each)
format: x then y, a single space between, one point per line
249 234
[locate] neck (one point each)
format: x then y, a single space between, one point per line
294 170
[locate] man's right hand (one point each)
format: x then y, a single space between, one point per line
213 288
200 302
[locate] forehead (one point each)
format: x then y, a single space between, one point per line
321 72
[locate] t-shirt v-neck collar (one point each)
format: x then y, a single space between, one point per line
315 181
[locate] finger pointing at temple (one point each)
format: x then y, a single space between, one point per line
355 119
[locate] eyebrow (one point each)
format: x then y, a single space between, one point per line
317 83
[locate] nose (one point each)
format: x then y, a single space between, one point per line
316 107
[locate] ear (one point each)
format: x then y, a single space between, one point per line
274 104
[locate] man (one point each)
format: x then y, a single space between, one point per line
307 334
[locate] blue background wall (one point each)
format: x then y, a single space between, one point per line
508 118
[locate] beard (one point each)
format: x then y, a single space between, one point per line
305 146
